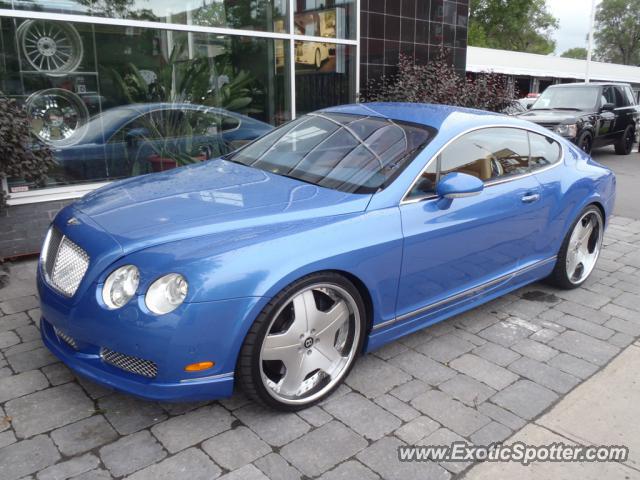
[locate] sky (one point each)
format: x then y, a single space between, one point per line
573 17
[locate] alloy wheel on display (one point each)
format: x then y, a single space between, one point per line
50 47
56 115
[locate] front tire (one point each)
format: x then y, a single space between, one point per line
304 342
585 142
624 145
580 250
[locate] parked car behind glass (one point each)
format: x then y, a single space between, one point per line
142 138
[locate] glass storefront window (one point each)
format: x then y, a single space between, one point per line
325 18
262 15
115 101
325 75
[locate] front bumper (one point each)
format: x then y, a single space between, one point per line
90 365
205 331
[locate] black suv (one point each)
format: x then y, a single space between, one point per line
589 114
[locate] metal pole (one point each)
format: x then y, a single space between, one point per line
592 20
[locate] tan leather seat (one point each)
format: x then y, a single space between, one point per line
480 169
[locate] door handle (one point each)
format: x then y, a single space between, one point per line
531 197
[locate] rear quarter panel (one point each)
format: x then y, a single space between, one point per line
578 182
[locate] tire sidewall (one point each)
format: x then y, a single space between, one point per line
627 148
581 140
263 323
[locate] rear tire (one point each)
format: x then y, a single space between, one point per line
580 250
624 145
585 142
304 343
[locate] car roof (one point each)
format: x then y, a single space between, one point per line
430 115
590 84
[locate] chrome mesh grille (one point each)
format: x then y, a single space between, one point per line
136 365
66 338
50 249
64 262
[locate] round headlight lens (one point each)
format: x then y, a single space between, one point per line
120 286
166 293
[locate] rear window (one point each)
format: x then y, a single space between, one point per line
350 153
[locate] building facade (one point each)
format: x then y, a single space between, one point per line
118 88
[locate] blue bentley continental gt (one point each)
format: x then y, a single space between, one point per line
276 265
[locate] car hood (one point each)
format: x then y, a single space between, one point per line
552 116
207 198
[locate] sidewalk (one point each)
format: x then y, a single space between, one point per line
604 410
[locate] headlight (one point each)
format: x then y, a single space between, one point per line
567 130
120 286
166 293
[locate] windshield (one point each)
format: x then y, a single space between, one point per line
350 153
570 98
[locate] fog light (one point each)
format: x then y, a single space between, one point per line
197 367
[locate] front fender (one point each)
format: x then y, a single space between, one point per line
261 261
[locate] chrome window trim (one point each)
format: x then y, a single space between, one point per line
490 183
470 292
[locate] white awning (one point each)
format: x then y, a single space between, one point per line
530 64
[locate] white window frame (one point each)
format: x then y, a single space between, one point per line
68 192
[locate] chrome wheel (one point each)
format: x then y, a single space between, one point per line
584 246
56 115
310 344
51 47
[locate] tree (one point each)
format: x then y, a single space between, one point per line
617 31
576 52
520 25
438 82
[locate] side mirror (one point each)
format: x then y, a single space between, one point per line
529 105
459 185
608 107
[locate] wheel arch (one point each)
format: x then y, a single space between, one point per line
364 292
357 282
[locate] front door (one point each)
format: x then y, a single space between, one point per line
469 243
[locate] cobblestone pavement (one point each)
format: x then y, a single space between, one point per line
480 376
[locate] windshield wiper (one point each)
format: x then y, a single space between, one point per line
573 109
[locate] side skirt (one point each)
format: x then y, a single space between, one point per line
436 312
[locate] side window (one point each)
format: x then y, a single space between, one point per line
141 128
544 151
630 97
621 99
609 96
209 123
489 154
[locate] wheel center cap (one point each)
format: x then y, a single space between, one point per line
308 342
